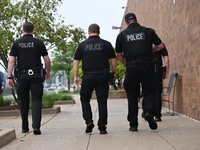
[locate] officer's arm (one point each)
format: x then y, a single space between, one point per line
47 65
11 63
75 68
113 64
120 57
158 47
166 61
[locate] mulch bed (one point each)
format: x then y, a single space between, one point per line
11 107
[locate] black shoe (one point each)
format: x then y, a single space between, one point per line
103 132
157 119
25 130
36 131
152 123
133 128
89 128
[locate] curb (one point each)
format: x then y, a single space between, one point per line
63 102
6 136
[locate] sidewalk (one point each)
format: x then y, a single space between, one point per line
66 131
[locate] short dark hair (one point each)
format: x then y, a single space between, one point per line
94 28
28 27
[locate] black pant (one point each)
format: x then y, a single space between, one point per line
159 88
99 82
137 74
25 85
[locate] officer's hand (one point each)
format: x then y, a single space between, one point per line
76 81
47 76
166 76
11 83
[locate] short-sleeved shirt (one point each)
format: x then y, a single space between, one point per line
94 53
28 51
158 56
136 42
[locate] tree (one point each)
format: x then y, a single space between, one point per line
64 53
120 71
49 25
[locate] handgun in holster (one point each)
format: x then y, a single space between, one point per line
42 72
16 72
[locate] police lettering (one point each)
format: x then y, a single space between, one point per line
135 37
26 45
94 47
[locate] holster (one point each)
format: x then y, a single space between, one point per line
163 71
111 78
43 73
16 72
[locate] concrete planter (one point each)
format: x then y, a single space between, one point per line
53 110
63 102
113 95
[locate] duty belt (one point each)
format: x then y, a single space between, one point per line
29 71
94 71
138 61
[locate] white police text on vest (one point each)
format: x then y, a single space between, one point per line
135 37
94 47
26 45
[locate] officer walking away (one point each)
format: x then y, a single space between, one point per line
161 73
28 51
95 54
134 49
2 83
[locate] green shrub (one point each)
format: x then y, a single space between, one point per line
5 101
63 91
75 91
66 97
48 99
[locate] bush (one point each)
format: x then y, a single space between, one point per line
63 91
48 99
66 97
5 101
75 91
67 92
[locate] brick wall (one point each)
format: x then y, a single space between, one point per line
178 25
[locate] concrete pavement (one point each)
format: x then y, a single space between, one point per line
66 131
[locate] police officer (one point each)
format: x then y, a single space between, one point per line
28 51
134 48
95 54
160 57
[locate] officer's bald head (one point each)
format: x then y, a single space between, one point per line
28 27
94 28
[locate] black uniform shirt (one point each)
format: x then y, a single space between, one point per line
136 42
94 53
28 51
158 56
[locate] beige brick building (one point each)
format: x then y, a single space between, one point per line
177 22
